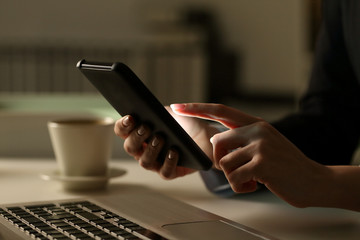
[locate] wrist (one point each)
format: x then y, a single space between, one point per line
320 186
343 187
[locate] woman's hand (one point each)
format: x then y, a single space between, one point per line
253 151
147 152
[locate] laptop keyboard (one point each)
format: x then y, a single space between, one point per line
74 220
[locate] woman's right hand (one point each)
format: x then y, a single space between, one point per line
145 147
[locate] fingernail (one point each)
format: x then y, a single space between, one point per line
155 142
171 155
141 131
177 106
126 121
211 140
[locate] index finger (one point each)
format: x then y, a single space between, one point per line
227 116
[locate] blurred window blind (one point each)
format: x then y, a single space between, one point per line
173 70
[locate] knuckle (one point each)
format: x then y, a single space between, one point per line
148 159
166 174
131 148
117 129
261 150
222 164
257 162
260 125
260 168
151 153
263 126
146 164
261 143
128 149
235 188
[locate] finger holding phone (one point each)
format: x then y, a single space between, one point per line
147 151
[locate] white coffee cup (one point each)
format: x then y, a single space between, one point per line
82 149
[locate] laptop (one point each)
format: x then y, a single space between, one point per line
136 213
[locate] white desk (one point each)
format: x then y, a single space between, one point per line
20 181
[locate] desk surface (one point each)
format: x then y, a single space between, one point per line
20 181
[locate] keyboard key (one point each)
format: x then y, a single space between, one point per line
31 219
58 223
89 228
88 216
54 218
40 206
14 209
119 231
104 236
91 207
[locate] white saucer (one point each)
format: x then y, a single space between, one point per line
76 183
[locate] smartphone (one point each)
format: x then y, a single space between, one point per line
129 96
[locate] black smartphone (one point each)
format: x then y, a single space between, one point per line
129 96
